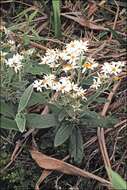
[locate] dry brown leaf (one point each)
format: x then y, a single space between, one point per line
44 174
49 163
83 21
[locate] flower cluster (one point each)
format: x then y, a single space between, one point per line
73 58
63 85
70 57
69 67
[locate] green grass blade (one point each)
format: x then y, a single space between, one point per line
56 17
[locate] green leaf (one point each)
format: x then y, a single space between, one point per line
56 16
76 145
93 97
41 121
7 109
37 69
62 134
26 40
93 119
21 121
8 123
37 98
62 115
25 98
117 181
101 100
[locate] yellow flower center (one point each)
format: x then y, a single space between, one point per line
87 65
114 69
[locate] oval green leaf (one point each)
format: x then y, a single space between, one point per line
76 145
62 134
7 109
20 121
117 181
6 123
25 98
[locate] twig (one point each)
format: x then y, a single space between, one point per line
100 131
39 46
116 17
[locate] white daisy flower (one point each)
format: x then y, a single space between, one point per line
78 91
72 58
38 85
96 83
15 62
77 46
64 85
49 81
89 64
51 58
64 55
112 68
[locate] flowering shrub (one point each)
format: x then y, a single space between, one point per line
68 81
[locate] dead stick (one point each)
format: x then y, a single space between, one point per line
100 131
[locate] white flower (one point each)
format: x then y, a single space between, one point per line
49 81
77 46
73 51
64 55
96 82
38 85
72 57
89 64
15 62
51 58
112 68
78 91
64 85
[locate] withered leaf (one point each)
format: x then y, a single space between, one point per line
49 163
